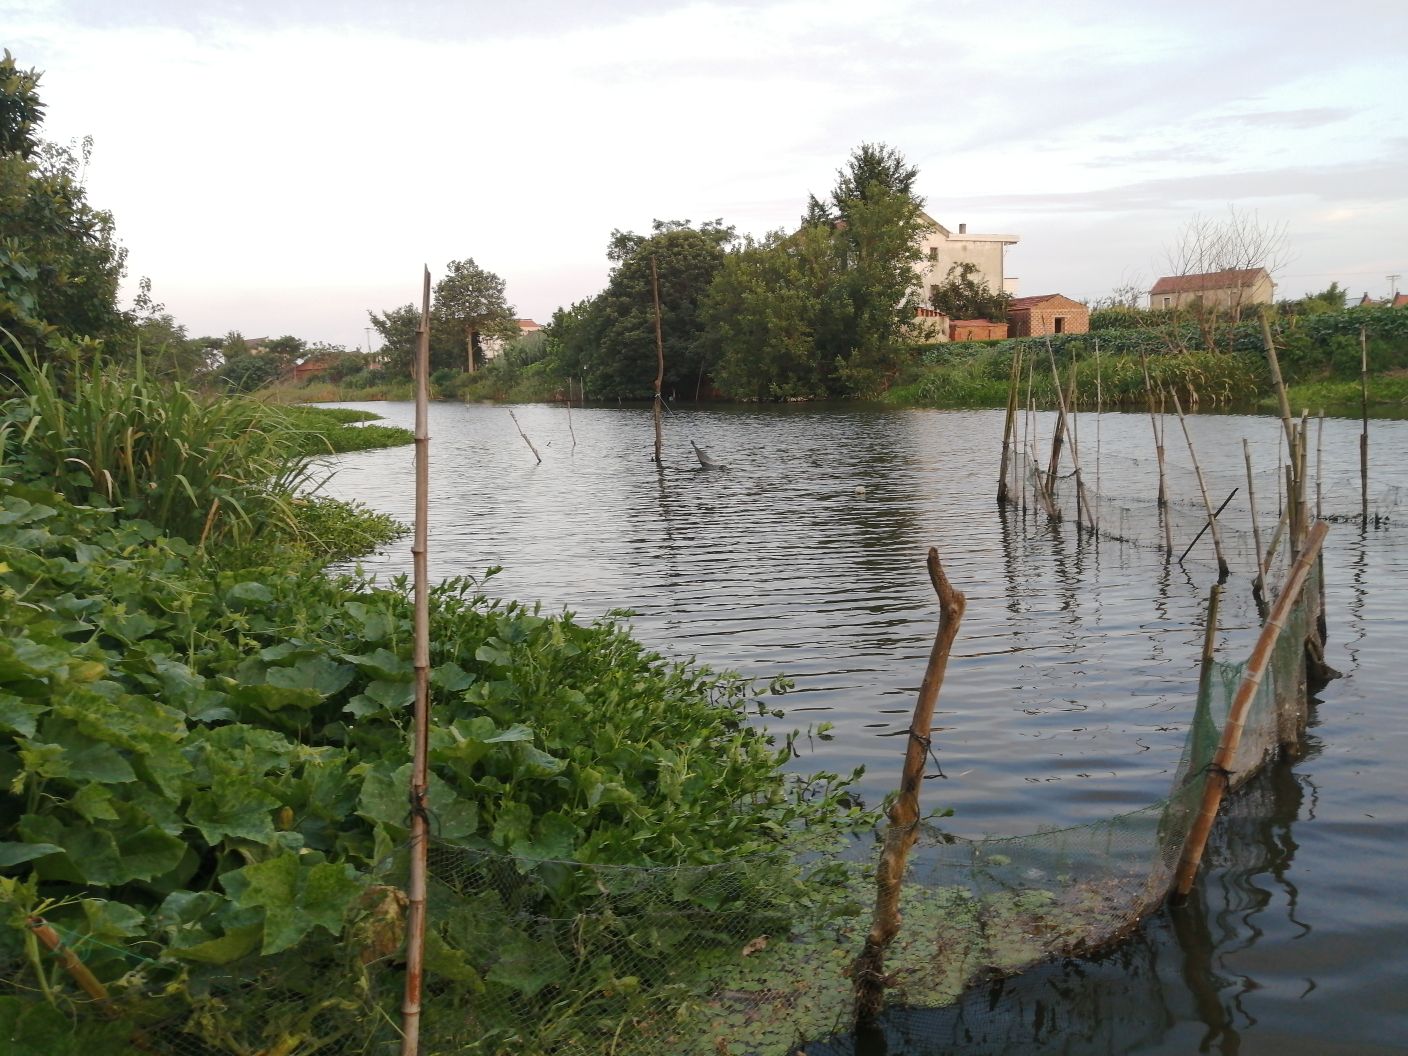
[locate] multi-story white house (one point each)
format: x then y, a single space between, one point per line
942 249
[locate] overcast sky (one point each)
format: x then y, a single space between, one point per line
281 167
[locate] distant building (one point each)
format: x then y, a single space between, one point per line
492 347
1230 288
1398 300
941 249
976 330
1048 313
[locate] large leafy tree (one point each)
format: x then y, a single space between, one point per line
60 263
614 339
470 300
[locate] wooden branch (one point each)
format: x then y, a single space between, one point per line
525 437
868 970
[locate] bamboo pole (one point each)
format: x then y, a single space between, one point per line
1319 461
1081 502
1209 641
659 357
1010 422
1058 436
69 961
1276 538
1219 776
569 415
1206 525
1269 345
525 437
1364 430
1222 570
1154 424
868 970
1099 412
420 732
1259 587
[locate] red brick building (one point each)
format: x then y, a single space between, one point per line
976 330
1049 313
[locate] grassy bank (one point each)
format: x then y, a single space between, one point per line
204 753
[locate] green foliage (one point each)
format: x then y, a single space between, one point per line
60 263
469 301
614 338
207 766
961 296
246 373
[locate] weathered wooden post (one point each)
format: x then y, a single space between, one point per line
1259 587
868 970
1364 431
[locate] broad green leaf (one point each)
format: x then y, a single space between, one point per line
494 652
382 664
234 944
527 966
554 837
247 595
19 715
319 673
451 677
17 853
233 806
513 824
298 896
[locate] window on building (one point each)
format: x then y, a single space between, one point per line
933 292
933 252
1059 325
1166 301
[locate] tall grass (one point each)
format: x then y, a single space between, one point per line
210 470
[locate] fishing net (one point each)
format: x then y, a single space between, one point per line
748 956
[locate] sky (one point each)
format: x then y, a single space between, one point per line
283 167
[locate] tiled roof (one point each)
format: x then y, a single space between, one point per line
1230 278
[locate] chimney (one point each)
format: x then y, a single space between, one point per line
962 229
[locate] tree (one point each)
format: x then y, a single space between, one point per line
615 336
397 330
872 170
962 296
60 263
471 300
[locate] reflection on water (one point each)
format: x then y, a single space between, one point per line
1066 700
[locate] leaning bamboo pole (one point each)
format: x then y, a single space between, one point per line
1222 570
525 437
1209 641
659 357
868 970
572 431
1269 346
1154 424
1364 431
1009 424
420 729
1219 774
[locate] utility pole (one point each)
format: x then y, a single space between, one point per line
368 331
1393 285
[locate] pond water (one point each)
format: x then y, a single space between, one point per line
1066 700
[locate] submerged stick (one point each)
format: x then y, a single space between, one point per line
1154 424
420 729
1219 775
1082 504
659 356
569 415
1222 570
868 970
525 437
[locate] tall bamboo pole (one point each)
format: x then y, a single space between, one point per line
659 356
868 971
1319 461
1269 345
1010 422
420 731
1099 412
1219 776
569 415
1222 570
1364 431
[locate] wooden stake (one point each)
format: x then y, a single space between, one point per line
660 358
1010 422
1319 459
525 437
1364 431
1219 776
1222 570
1209 641
569 415
1259 588
868 970
420 729
1099 411
1269 345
